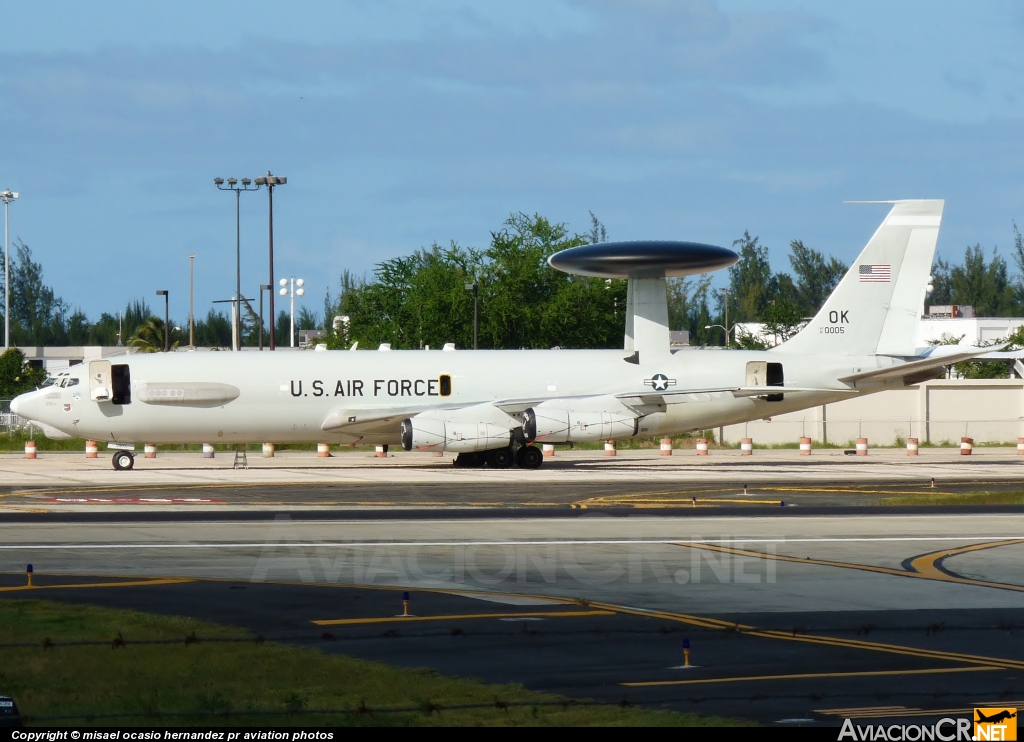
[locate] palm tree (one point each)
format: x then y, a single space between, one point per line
149 337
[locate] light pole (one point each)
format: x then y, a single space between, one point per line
271 181
233 186
292 289
724 329
167 320
191 301
263 287
7 197
475 288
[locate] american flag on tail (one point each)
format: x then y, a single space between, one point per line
875 273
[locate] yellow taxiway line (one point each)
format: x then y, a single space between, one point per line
805 675
461 617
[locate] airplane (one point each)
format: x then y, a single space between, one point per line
995 718
492 407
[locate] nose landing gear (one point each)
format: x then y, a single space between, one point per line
124 460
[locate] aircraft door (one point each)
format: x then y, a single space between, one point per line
757 373
775 378
100 384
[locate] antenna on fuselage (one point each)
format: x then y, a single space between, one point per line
645 265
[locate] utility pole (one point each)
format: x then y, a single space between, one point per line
475 288
191 301
726 328
167 320
263 287
7 197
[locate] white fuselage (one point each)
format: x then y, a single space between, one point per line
286 397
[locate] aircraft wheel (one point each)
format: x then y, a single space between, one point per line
469 459
124 460
529 457
499 458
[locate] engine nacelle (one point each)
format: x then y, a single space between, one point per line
478 428
558 422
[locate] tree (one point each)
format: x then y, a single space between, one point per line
150 337
816 278
16 375
689 307
984 285
751 282
421 299
38 315
782 319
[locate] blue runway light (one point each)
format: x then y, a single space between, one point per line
405 596
29 569
686 643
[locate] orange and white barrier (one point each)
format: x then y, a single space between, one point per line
30 449
380 453
966 446
912 446
92 450
323 450
609 448
666 446
746 447
150 450
268 450
548 449
805 446
862 446
208 450
702 446
1020 446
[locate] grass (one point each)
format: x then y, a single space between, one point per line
960 498
219 674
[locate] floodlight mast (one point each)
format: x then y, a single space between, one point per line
271 181
232 185
8 197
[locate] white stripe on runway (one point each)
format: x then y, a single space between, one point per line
551 542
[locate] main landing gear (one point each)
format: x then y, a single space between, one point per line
525 457
124 460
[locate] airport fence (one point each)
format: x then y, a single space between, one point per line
9 422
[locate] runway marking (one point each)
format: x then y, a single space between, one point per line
887 712
748 630
82 586
924 567
461 617
930 564
530 542
805 675
701 621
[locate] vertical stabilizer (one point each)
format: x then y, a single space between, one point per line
877 304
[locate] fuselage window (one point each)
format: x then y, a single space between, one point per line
121 380
446 385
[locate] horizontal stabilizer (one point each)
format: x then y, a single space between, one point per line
933 362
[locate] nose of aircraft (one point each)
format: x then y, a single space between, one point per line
21 405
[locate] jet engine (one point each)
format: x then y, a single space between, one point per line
477 428
564 421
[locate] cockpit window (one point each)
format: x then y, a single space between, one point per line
49 381
72 382
63 381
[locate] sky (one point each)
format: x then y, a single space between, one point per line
401 124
